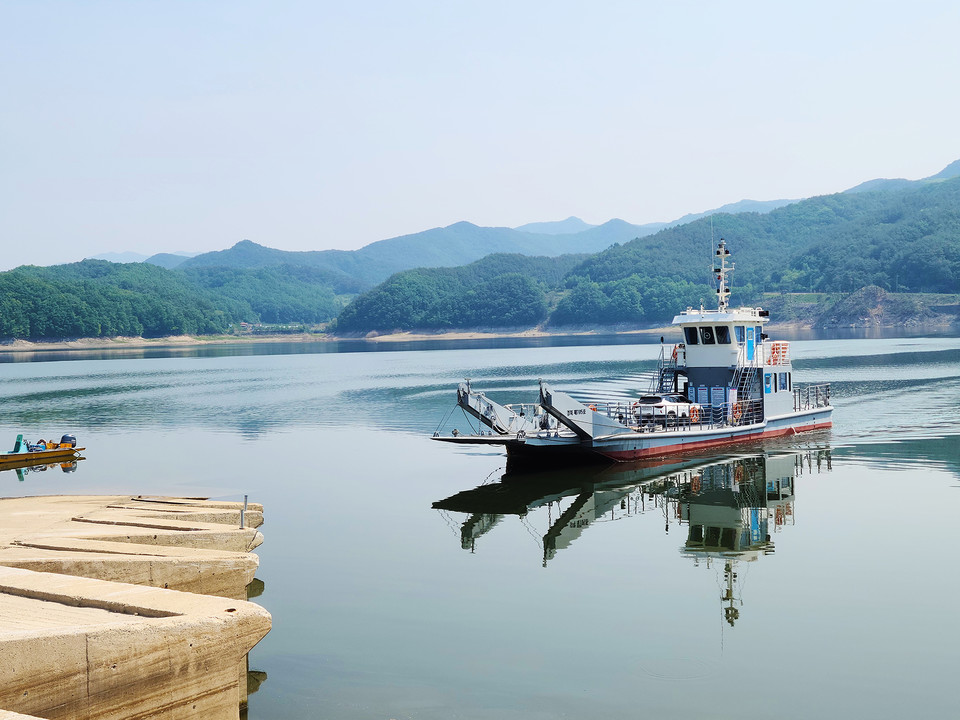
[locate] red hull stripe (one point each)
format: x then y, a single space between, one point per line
624 455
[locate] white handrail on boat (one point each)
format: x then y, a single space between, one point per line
811 397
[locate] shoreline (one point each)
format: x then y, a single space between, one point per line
139 343
413 336
187 341
192 341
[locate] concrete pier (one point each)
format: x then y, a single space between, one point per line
79 640
176 543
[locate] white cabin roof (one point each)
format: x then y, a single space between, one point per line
737 316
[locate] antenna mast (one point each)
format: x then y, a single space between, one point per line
720 271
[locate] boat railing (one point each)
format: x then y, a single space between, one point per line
525 409
699 416
671 357
811 397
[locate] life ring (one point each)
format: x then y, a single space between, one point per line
674 353
737 411
694 413
593 407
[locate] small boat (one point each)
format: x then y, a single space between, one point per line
25 453
724 383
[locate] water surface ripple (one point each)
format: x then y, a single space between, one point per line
411 579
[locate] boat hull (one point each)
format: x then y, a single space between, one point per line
40 457
669 443
630 446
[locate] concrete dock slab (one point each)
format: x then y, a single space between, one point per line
79 640
96 649
175 543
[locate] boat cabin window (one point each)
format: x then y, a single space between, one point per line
691 334
784 381
740 331
759 333
706 334
723 334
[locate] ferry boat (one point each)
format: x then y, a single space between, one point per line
725 382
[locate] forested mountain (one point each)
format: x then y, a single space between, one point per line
277 294
96 298
497 291
907 240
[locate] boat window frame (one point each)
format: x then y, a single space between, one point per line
722 334
740 332
707 336
691 336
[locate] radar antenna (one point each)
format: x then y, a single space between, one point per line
720 271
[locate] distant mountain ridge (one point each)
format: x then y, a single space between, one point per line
458 244
120 257
894 184
463 242
557 227
167 260
451 246
898 241
742 206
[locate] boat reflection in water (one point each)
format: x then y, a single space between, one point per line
67 466
730 505
732 508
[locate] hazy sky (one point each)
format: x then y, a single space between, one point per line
164 126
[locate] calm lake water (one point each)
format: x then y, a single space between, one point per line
813 577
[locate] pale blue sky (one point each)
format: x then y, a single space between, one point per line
163 126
